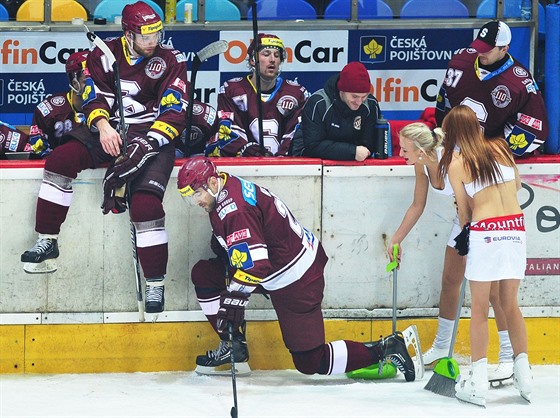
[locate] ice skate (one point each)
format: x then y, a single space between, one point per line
218 363
522 376
155 297
474 388
42 257
394 349
501 374
434 354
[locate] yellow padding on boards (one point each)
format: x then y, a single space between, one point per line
12 348
95 348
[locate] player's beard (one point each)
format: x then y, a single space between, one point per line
144 52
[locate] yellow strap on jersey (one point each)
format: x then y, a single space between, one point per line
97 113
165 129
243 277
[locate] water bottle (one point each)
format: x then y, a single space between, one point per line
381 147
526 10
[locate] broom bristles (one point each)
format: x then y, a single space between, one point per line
441 385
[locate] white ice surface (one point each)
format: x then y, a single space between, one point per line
263 394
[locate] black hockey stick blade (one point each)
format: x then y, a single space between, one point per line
210 50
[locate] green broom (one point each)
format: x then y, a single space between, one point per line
388 370
446 370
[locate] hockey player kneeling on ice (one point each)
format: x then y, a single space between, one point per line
266 250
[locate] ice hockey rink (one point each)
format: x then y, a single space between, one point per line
263 394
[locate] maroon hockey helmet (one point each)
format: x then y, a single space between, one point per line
267 40
76 62
195 174
141 19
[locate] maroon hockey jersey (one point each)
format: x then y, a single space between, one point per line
265 243
237 101
154 89
507 101
54 117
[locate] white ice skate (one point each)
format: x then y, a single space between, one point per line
411 339
473 388
434 354
522 376
501 375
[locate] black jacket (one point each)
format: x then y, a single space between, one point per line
331 130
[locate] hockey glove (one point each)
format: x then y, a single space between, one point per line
126 167
232 309
462 240
114 200
224 137
38 141
252 149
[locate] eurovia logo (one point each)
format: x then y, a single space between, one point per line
373 49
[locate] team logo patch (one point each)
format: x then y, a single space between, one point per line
197 109
210 116
501 96
180 84
530 121
155 68
358 123
57 100
225 115
227 209
249 192
520 72
181 57
520 140
286 104
240 256
240 235
43 109
223 194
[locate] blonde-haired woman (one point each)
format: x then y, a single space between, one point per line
423 148
485 180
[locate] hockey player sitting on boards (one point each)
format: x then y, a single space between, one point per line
54 117
281 103
155 115
268 251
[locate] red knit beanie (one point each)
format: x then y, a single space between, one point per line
354 78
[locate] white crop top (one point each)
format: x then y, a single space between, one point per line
447 189
508 174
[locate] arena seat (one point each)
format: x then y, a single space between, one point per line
367 9
433 9
283 10
4 15
217 10
488 9
108 9
62 11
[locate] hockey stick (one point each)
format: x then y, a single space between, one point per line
234 410
213 49
123 128
257 74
